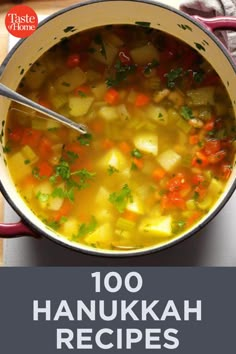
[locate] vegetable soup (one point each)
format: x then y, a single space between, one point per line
160 146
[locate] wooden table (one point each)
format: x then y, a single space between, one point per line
41 8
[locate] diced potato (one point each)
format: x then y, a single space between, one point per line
215 187
52 124
102 197
59 100
136 206
70 227
79 106
123 112
113 39
108 113
101 237
169 160
159 96
201 96
160 226
70 80
147 142
113 158
158 114
17 163
99 90
145 54
105 52
29 154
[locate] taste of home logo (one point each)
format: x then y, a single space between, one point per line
21 21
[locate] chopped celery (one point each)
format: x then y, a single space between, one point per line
147 142
202 96
191 204
215 187
206 203
169 160
124 224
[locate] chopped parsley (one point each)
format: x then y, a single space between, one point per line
85 139
122 72
99 41
148 68
172 76
136 153
186 112
88 228
122 198
111 170
42 197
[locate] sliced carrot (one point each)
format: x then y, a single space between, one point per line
112 96
158 174
44 103
107 144
139 163
141 100
125 147
130 215
193 218
64 210
45 169
193 139
97 126
30 180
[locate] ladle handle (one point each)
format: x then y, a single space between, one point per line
218 22
12 230
14 96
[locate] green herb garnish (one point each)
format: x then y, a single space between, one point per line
111 170
85 139
186 112
136 153
86 229
172 76
120 199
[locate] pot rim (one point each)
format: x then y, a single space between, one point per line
144 251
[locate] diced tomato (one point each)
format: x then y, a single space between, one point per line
124 57
73 61
210 125
226 143
200 160
201 191
173 200
212 146
226 171
45 169
198 179
31 137
112 96
141 100
177 183
45 147
217 157
193 139
16 134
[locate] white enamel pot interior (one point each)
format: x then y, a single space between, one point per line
83 16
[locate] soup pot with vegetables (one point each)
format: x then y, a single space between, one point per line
157 92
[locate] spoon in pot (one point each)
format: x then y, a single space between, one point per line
14 96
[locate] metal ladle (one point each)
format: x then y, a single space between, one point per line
14 96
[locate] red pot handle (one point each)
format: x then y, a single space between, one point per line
15 230
218 23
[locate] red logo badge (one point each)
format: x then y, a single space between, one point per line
21 21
